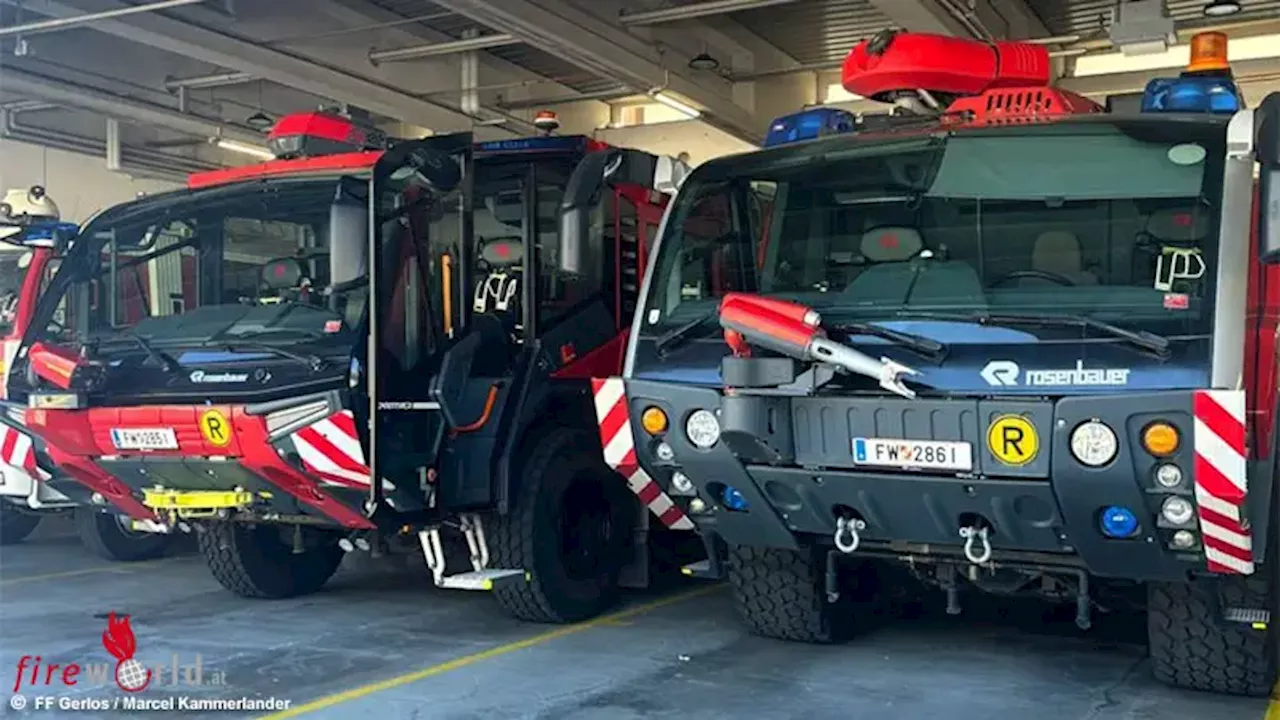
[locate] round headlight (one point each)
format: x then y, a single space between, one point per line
703 429
1094 444
1168 476
1176 510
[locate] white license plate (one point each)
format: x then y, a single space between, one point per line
144 438
922 454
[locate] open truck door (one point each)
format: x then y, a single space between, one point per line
416 316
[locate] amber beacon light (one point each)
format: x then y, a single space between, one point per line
1208 52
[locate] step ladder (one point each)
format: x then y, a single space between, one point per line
481 576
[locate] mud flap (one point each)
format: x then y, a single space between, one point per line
635 574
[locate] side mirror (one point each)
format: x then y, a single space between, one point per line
581 194
348 237
583 191
1267 146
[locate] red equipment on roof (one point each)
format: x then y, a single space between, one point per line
986 82
312 134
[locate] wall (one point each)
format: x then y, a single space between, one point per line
80 184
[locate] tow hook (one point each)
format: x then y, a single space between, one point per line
847 537
970 535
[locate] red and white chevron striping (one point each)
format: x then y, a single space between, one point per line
16 450
620 452
1221 480
330 449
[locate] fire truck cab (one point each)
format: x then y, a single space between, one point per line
1007 340
243 356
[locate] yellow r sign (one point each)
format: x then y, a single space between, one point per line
1013 440
216 428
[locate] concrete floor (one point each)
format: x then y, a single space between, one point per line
381 643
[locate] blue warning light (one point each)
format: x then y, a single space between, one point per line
1118 522
733 499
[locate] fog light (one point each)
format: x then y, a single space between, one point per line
1183 540
1176 510
1168 476
1160 439
733 499
1119 522
696 505
653 420
681 483
97 499
664 452
703 429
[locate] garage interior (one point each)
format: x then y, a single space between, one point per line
102 100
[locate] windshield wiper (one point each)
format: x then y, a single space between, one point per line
1146 340
919 344
678 336
231 342
166 361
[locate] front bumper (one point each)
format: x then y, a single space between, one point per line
296 459
790 459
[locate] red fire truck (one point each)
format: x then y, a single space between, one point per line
249 351
30 228
1007 340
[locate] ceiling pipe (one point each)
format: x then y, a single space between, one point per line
203 82
600 95
55 24
450 47
132 159
703 9
122 108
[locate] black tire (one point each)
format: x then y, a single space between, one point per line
254 561
1192 649
104 535
564 481
15 524
781 594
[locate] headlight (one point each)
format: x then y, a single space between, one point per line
1094 444
703 429
1168 476
1176 510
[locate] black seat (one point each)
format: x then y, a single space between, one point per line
499 292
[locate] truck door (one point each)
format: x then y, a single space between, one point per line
420 222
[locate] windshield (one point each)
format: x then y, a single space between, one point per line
1110 221
218 262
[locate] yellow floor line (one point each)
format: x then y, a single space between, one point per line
1273 707
466 660
121 568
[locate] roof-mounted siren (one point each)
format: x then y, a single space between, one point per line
810 124
1206 86
971 80
546 122
313 134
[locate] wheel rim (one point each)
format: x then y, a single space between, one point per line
586 530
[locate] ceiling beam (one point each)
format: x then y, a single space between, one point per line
1004 19
611 52
285 68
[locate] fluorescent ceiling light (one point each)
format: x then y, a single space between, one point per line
244 149
676 105
1221 8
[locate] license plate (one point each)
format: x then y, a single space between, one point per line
921 454
144 438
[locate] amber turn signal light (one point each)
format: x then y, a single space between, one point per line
1160 439
653 420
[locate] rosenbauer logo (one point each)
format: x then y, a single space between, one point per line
127 672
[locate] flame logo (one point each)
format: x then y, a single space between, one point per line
118 639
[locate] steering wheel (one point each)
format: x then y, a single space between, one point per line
1036 274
